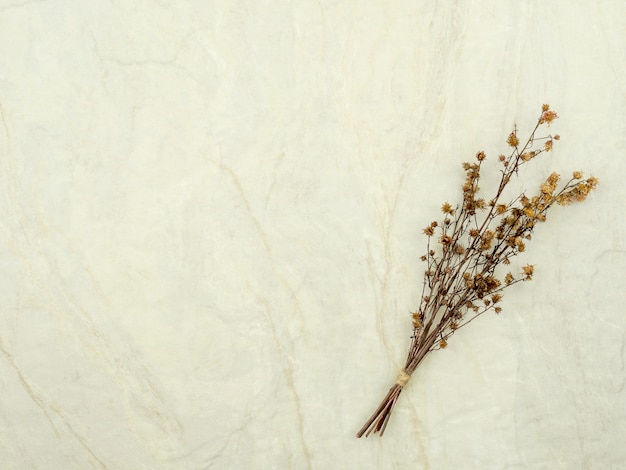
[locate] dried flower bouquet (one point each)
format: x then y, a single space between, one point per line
464 249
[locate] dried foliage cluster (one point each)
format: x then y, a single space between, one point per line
473 239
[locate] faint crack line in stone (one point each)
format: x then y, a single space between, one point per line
16 6
40 403
290 376
26 386
262 235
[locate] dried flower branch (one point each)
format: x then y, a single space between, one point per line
464 250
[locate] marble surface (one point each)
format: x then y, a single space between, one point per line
210 230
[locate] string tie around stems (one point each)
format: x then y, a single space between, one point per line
403 378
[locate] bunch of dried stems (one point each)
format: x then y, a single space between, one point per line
463 251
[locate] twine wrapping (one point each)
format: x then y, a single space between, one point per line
403 378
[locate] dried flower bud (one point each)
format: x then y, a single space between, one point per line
548 145
429 231
528 270
480 156
564 199
557 137
513 141
553 178
548 116
508 278
443 343
545 107
446 208
577 175
486 239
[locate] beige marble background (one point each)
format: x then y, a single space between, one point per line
210 217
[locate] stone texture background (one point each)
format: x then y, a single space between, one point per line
210 230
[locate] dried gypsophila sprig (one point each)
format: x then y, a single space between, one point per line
464 250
